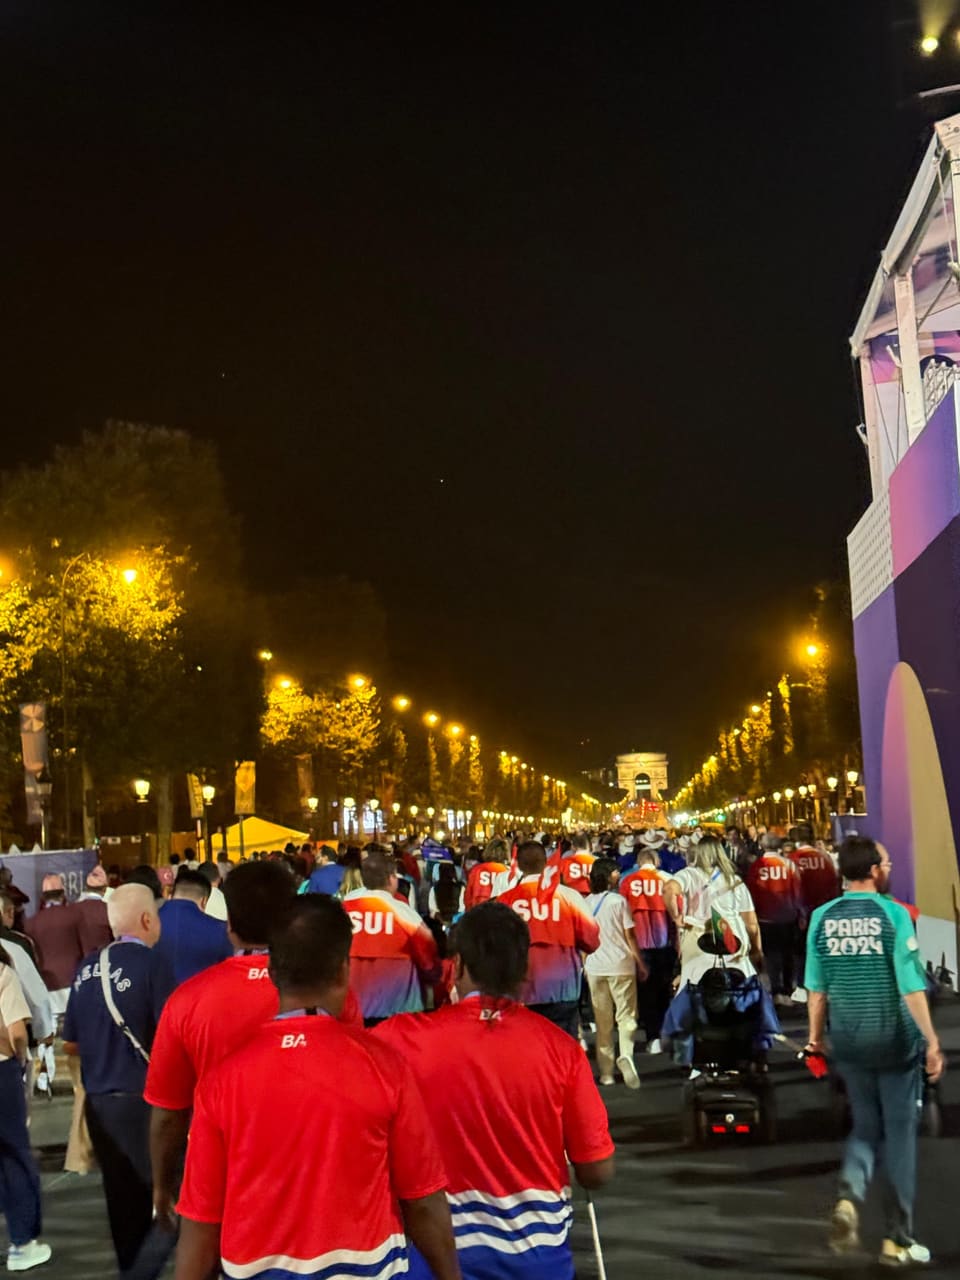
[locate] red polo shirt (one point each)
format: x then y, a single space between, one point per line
302 1145
207 1018
505 1149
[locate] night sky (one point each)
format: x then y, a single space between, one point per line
533 316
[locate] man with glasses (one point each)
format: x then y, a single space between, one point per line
863 964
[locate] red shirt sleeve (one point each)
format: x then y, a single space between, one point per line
586 1133
416 1169
171 1076
423 952
351 1014
205 1178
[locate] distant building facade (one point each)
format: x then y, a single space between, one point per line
643 775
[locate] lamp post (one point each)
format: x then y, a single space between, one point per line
374 804
44 792
142 789
351 807
853 777
313 804
430 812
208 791
414 810
129 576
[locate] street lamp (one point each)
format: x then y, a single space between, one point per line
207 792
351 806
401 702
141 787
374 804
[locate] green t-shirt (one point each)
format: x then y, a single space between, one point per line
862 954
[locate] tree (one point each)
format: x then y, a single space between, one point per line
160 676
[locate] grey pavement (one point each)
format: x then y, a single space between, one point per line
737 1207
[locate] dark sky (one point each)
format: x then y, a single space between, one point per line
534 316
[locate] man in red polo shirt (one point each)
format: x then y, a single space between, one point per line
505 1150
561 929
284 1178
215 1012
819 883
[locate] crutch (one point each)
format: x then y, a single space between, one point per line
597 1249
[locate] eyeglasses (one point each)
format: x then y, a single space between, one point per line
885 866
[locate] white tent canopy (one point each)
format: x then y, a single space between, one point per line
258 833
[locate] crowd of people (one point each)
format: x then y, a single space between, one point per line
361 999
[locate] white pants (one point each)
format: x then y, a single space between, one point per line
614 997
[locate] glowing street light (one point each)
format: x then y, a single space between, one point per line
455 730
129 576
812 650
929 46
853 777
142 788
357 682
431 719
313 803
284 683
755 709
430 811
265 655
209 792
401 702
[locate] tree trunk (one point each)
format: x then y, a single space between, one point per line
89 808
163 789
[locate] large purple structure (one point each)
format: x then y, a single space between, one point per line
904 554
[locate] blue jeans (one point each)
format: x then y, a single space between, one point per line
885 1107
19 1180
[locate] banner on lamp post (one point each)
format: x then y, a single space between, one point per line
304 778
245 785
195 796
33 743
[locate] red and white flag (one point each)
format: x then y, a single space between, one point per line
550 875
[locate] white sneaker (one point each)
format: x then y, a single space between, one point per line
799 996
694 1074
903 1255
654 1047
628 1070
24 1256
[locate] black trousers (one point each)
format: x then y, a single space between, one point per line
564 1014
779 949
654 995
119 1125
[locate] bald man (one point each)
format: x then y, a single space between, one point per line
112 1015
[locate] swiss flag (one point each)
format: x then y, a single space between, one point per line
550 875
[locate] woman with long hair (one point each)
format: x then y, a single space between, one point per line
709 904
19 1180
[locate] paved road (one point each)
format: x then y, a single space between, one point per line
742 1208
